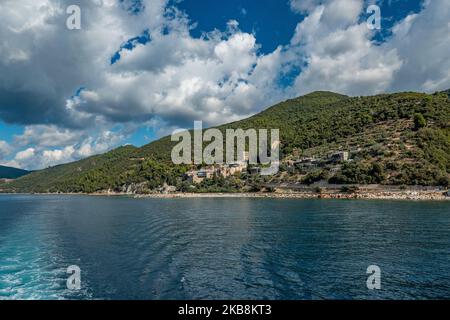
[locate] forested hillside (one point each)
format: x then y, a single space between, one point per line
401 139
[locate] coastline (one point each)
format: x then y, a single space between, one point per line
415 196
404 195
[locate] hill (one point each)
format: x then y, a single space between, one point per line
11 173
393 139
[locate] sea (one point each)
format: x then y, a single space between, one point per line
222 248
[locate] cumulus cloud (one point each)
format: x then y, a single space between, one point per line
68 148
181 79
423 43
305 5
136 62
339 52
46 136
173 76
5 149
26 154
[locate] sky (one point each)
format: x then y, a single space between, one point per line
139 69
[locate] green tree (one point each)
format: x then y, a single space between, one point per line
419 121
377 173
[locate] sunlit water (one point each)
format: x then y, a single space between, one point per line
222 248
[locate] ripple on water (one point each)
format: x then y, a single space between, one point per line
222 248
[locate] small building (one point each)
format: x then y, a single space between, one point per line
237 167
341 156
195 177
192 177
307 163
223 171
206 173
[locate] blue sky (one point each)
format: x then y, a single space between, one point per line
273 22
159 66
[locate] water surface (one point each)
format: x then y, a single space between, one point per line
222 248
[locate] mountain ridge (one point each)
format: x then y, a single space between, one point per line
11 173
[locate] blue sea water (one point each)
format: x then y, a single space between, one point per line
222 248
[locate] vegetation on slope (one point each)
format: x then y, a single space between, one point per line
401 139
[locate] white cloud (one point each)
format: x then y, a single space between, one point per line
45 146
46 136
175 77
49 157
339 53
209 79
25 154
423 43
5 149
305 5
342 13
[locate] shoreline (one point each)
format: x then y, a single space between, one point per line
382 195
413 196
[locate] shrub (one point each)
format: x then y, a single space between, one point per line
419 121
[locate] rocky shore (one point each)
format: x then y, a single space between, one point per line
430 196
435 195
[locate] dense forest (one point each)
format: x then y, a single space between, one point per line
393 139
